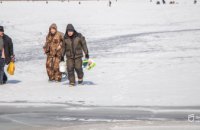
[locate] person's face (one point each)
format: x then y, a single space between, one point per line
1 34
70 33
53 30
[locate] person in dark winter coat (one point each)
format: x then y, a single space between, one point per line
73 47
6 54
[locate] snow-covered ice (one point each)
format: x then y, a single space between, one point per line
146 55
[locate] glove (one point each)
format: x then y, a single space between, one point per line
87 56
62 58
13 58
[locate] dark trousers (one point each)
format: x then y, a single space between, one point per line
72 66
3 77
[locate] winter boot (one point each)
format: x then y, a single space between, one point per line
71 84
80 81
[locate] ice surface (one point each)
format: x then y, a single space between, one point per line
146 55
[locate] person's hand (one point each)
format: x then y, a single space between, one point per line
44 50
87 56
13 58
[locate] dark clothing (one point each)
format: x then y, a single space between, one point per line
73 47
1 29
1 43
74 64
8 52
163 1
8 48
70 27
3 77
110 3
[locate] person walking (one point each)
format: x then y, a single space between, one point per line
6 54
53 50
73 47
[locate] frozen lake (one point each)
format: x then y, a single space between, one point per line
20 116
147 73
146 55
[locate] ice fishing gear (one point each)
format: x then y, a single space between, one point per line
85 63
65 75
88 64
62 67
91 64
11 68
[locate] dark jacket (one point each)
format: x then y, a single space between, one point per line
74 46
8 48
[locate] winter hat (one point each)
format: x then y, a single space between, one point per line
70 27
53 26
1 29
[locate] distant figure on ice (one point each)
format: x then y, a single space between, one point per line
172 2
163 1
110 3
195 1
158 2
73 47
6 54
53 50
